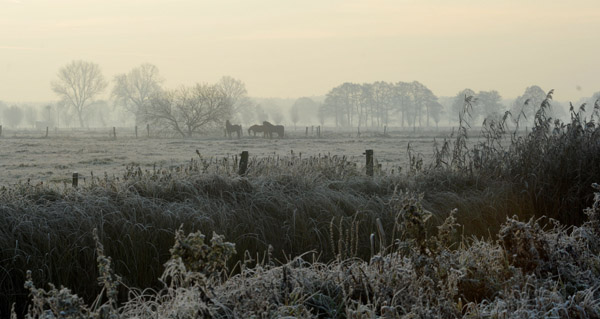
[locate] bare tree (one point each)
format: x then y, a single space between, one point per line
436 110
381 103
235 91
489 103
189 110
403 101
343 102
79 82
423 98
321 114
134 90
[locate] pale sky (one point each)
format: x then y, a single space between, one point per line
284 48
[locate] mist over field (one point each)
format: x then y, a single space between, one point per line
310 159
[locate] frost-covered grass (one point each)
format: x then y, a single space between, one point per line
315 237
527 272
289 204
29 155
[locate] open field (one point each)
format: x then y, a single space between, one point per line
28 155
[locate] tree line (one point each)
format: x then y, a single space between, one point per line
381 103
188 110
412 104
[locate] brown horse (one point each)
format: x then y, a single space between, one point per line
256 129
229 128
270 129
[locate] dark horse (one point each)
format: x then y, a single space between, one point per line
270 129
229 128
256 129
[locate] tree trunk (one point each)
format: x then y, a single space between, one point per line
80 116
402 118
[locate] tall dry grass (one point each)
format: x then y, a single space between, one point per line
527 272
549 167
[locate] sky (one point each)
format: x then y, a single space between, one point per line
290 49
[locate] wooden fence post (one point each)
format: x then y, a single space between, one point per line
369 154
319 131
75 179
243 163
136 131
114 132
46 131
306 131
358 135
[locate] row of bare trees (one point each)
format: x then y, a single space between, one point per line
382 103
412 104
488 104
188 110
184 110
14 115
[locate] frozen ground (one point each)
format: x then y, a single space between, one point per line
29 155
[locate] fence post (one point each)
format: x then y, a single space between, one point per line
385 130
136 131
319 131
306 131
148 129
114 132
358 135
243 163
46 131
75 179
369 154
